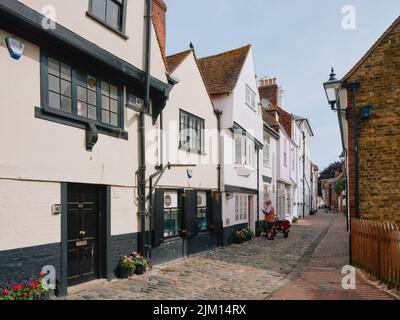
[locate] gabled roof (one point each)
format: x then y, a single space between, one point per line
372 49
301 119
285 118
175 60
221 72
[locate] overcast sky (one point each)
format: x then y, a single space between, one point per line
296 41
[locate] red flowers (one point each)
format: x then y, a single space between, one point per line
17 287
30 289
42 274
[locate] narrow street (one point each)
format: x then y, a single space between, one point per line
307 265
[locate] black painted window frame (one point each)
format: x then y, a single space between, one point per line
185 126
179 215
122 28
73 119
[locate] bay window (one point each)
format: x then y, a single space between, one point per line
266 154
244 151
74 96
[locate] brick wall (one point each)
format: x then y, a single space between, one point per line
379 137
269 92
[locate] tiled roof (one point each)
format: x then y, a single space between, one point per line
175 60
285 118
369 52
269 120
221 72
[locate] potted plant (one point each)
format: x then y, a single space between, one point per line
126 267
141 263
248 233
239 236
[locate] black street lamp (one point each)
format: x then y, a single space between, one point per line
332 89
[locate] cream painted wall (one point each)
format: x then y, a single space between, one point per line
191 96
284 171
124 218
36 149
30 203
269 171
72 15
235 109
247 117
228 211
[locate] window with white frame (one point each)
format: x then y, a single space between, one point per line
293 159
266 154
241 207
288 201
237 209
244 151
285 154
250 97
281 206
267 193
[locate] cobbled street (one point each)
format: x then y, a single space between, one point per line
251 271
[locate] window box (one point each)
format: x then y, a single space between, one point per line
244 171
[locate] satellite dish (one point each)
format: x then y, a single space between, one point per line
265 103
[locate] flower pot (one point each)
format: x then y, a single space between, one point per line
45 296
124 273
140 270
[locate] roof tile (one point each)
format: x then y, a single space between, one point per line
221 72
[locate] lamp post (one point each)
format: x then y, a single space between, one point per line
332 89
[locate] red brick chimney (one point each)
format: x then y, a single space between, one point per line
159 20
269 89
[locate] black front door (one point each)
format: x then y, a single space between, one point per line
83 233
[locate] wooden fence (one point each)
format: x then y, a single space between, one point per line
375 248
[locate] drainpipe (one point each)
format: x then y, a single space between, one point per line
142 156
354 86
304 174
160 170
356 156
218 113
356 168
258 188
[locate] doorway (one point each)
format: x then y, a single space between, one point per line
83 233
